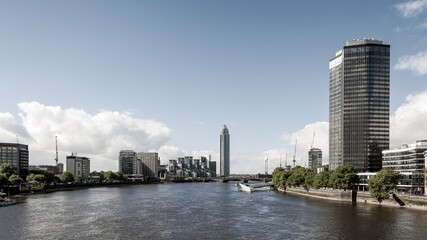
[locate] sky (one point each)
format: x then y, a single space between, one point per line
166 76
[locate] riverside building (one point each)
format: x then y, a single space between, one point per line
17 155
225 152
409 161
359 105
150 163
78 166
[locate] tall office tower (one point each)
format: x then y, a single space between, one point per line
225 152
359 104
150 163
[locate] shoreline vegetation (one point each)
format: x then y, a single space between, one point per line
411 202
342 184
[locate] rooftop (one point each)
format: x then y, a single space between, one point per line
363 41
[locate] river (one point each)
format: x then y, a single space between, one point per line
201 211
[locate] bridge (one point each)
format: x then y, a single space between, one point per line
240 179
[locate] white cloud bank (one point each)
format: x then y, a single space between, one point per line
411 8
416 63
99 137
409 122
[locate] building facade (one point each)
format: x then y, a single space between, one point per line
409 161
359 105
17 155
314 158
225 152
129 165
78 166
150 163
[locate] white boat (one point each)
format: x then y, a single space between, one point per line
244 188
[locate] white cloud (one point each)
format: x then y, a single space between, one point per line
412 8
416 63
422 25
305 139
408 123
99 137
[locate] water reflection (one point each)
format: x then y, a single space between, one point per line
201 211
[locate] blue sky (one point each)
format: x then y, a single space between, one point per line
261 67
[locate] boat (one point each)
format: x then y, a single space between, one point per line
5 201
244 188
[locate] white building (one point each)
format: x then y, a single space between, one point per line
78 166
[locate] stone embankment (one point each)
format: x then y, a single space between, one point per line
402 201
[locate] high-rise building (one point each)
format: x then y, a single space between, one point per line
359 104
225 152
17 156
78 166
150 163
314 158
129 164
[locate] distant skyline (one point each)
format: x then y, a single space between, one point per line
165 76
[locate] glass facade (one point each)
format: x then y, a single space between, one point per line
359 108
17 156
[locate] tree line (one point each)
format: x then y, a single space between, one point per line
8 176
343 178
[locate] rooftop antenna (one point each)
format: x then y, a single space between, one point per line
295 152
17 141
280 160
312 142
286 159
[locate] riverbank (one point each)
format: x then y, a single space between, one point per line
418 203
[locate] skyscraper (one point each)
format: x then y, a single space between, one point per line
359 104
225 152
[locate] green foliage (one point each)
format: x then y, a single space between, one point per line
30 177
110 176
50 176
7 169
15 179
344 177
310 174
277 174
121 177
297 177
385 181
3 179
321 180
39 178
67 176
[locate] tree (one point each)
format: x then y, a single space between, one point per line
110 176
344 177
67 176
50 176
7 169
310 174
15 179
277 174
322 180
39 178
30 177
297 177
3 179
385 181
121 177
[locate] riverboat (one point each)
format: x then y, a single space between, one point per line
5 201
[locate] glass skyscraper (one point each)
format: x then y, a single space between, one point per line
359 104
225 152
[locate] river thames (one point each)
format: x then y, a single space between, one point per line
201 211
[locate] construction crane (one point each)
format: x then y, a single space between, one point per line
295 152
56 158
